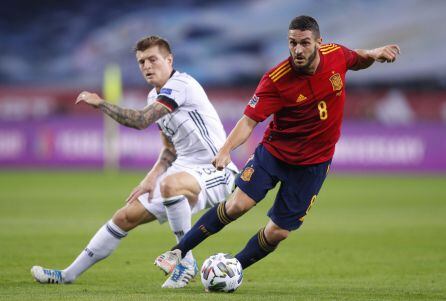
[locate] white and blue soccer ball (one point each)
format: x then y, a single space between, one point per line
221 273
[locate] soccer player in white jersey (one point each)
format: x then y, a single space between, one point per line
181 182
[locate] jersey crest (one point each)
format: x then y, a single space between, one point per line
336 82
247 174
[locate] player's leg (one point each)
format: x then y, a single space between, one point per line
215 219
209 189
107 239
261 244
253 184
180 192
103 243
294 199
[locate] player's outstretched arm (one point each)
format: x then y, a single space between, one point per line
237 137
366 57
137 119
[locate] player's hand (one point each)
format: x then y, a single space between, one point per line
221 160
386 53
146 186
91 99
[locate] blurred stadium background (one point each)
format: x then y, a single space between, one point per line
394 143
395 114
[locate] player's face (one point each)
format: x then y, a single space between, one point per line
303 48
155 65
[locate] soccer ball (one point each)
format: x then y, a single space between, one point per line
221 273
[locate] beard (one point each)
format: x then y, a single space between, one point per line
310 61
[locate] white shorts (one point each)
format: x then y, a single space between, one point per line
215 188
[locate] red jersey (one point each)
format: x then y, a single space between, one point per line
307 109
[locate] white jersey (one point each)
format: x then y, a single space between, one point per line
193 126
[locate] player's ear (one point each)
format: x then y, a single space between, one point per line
169 59
318 42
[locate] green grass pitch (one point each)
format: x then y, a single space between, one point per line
366 238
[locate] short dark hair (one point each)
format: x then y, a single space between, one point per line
305 23
151 41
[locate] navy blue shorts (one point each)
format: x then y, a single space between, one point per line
299 186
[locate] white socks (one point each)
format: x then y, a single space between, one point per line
179 215
103 243
108 237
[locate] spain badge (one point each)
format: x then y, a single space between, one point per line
336 82
247 173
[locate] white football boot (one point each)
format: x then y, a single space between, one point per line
168 261
47 276
183 273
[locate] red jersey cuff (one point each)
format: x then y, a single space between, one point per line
252 115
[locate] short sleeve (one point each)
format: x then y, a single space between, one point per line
265 101
351 57
172 94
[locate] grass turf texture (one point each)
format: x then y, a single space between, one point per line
366 238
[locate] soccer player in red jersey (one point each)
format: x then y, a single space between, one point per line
305 93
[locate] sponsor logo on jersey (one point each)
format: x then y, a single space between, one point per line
166 91
247 173
336 82
301 97
253 101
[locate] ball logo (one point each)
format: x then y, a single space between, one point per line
247 173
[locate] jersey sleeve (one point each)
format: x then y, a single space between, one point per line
172 94
351 57
266 101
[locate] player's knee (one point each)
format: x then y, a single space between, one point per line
238 204
236 209
119 218
169 187
275 234
125 219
